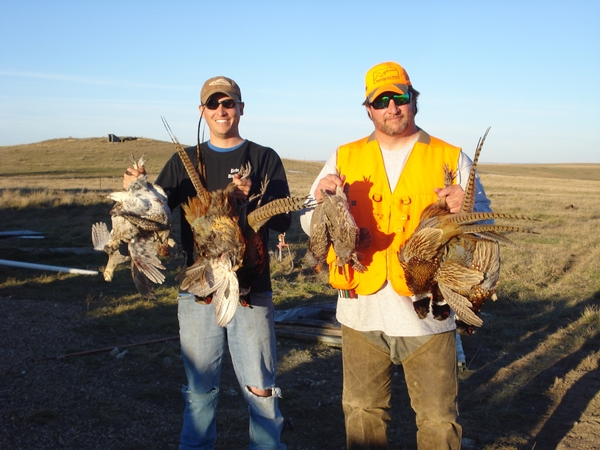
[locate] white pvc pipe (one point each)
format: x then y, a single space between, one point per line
4 262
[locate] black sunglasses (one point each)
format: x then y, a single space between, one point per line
383 101
214 103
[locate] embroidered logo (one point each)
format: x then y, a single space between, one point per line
220 82
385 74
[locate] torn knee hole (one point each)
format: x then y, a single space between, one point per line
260 392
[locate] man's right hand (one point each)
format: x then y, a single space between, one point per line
329 184
131 175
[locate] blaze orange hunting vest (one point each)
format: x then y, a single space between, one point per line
390 216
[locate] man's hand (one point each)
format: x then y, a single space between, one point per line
454 196
131 175
243 186
329 184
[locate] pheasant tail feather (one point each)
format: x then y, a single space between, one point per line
469 198
261 215
187 163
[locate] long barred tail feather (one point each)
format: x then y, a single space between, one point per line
469 198
261 215
187 163
493 229
467 218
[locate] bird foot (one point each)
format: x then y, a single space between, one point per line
203 300
422 307
463 329
245 301
440 312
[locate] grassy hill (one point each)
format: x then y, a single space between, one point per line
96 157
95 163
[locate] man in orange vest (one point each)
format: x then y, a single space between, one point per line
390 177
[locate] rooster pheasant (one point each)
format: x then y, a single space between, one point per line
450 258
332 224
141 223
229 248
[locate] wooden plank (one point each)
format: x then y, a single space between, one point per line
334 341
324 331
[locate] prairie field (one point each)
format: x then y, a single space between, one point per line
532 373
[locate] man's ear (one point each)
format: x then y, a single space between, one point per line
241 108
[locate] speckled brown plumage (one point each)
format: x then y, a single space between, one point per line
332 224
452 259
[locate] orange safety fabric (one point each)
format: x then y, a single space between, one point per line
390 216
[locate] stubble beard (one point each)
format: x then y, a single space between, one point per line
397 128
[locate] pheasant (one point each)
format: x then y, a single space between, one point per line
462 254
452 259
332 224
226 239
141 224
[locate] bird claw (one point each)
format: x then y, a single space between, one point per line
440 312
245 301
422 307
203 300
463 329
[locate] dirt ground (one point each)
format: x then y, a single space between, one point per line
131 399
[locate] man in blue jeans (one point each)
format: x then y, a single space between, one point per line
250 334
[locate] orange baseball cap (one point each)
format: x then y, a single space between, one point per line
386 77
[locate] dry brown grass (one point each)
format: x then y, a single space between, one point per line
553 171
532 369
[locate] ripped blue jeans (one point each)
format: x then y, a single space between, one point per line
251 339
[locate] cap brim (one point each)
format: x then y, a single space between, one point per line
231 94
397 88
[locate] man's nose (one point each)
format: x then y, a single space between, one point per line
392 107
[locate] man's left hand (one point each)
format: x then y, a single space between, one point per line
243 186
131 175
454 196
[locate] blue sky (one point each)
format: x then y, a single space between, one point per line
528 69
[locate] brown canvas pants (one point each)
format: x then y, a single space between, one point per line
431 377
